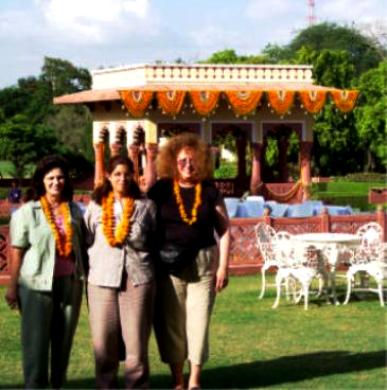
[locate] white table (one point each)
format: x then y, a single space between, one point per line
331 245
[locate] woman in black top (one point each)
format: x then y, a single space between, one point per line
192 268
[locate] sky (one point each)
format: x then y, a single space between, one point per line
105 33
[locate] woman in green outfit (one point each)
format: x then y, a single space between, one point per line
47 257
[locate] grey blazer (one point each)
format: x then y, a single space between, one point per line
106 263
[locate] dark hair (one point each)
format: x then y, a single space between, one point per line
102 190
46 165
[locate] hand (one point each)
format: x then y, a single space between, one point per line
221 279
11 297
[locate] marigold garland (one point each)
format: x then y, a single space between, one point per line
63 243
171 102
116 235
345 100
180 204
243 102
313 100
281 100
204 102
136 102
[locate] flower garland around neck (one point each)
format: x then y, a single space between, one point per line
116 235
180 204
63 244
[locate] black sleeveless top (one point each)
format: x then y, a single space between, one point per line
171 229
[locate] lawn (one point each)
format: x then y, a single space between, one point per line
252 345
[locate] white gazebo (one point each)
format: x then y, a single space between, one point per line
250 101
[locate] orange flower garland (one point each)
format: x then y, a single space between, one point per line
344 100
281 100
312 100
243 102
63 245
116 237
136 102
171 102
204 102
179 201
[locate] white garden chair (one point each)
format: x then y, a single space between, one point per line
267 244
300 263
368 260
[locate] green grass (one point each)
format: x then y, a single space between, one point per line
252 345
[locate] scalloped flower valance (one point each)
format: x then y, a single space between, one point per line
138 102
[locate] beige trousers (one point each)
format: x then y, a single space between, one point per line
128 310
183 308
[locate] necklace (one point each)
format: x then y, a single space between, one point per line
180 204
116 235
63 242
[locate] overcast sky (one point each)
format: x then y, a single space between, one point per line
101 33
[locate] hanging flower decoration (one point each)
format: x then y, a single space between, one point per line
313 100
63 242
243 102
204 102
116 235
136 102
171 102
345 100
281 100
180 204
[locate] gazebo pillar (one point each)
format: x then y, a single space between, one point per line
150 173
256 171
283 145
305 162
241 153
133 154
99 155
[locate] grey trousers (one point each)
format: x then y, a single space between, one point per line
48 321
128 310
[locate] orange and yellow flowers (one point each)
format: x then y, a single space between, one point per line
63 243
195 207
116 235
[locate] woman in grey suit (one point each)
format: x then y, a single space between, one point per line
120 224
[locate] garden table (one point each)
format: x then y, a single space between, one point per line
331 246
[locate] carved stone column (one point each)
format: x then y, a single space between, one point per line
256 171
150 174
99 154
283 145
115 149
241 153
305 165
134 154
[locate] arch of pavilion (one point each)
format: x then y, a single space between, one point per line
251 101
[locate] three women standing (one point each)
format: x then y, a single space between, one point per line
120 225
47 264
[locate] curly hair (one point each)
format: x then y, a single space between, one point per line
104 189
166 159
44 166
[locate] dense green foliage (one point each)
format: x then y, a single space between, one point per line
31 126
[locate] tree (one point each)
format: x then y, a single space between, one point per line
371 117
63 77
363 52
229 56
23 143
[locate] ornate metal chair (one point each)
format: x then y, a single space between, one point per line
300 263
267 244
368 260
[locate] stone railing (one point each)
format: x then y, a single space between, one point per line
132 76
245 257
